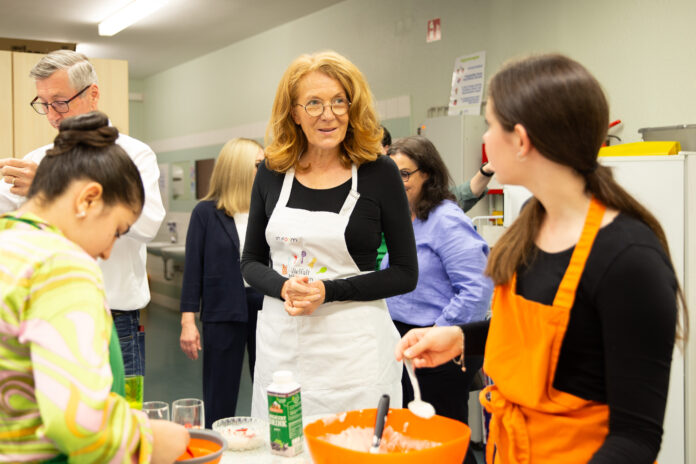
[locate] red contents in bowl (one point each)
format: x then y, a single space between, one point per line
198 447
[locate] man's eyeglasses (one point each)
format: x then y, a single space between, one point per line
406 175
58 105
315 108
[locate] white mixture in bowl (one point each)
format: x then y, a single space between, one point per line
242 433
241 438
360 439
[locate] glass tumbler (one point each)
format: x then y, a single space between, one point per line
189 412
134 391
156 409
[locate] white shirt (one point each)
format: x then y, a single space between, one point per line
240 223
125 276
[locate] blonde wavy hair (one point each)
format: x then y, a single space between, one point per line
233 176
286 141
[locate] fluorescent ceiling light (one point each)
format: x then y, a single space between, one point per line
128 15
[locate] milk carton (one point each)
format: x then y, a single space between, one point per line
285 414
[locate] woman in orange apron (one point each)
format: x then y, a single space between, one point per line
584 313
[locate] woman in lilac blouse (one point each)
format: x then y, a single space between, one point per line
451 259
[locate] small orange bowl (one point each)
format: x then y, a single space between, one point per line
453 436
207 447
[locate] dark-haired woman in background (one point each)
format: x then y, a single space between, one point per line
585 308
54 325
452 288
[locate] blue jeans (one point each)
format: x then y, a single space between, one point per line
132 341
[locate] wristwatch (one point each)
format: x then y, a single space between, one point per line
487 174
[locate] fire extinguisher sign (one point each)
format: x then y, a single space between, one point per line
434 31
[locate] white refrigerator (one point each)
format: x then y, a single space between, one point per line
666 185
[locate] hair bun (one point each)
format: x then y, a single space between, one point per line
90 129
85 122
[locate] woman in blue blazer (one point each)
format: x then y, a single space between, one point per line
213 283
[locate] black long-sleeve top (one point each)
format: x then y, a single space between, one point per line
382 207
618 345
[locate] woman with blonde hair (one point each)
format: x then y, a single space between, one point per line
318 209
585 309
213 283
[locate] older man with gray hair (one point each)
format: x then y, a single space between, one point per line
66 85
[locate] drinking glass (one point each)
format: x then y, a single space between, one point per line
156 409
189 412
134 391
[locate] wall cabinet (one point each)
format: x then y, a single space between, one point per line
6 127
22 129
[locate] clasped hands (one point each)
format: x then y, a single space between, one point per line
301 296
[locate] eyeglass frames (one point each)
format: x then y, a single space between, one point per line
315 108
59 106
406 175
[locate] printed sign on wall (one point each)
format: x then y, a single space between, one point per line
434 31
467 84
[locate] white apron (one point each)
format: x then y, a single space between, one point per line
343 354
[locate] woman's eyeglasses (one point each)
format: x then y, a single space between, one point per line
315 108
406 175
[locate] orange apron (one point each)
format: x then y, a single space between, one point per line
531 421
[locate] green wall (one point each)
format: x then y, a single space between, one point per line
136 110
641 51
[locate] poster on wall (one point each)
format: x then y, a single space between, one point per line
467 84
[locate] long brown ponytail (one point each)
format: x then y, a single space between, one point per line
565 113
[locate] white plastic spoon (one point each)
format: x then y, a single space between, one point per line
418 407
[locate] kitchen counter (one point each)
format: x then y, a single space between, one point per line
263 456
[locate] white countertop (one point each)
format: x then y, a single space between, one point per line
263 455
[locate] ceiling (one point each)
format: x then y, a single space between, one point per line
179 32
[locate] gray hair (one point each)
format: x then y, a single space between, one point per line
80 71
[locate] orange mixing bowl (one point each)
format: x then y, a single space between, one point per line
453 435
206 446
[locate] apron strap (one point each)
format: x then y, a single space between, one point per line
353 195
565 296
287 187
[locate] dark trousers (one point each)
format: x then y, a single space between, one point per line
131 339
446 387
223 359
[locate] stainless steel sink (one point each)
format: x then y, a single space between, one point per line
155 248
175 252
170 253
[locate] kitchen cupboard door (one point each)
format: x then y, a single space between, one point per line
32 130
113 90
6 125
